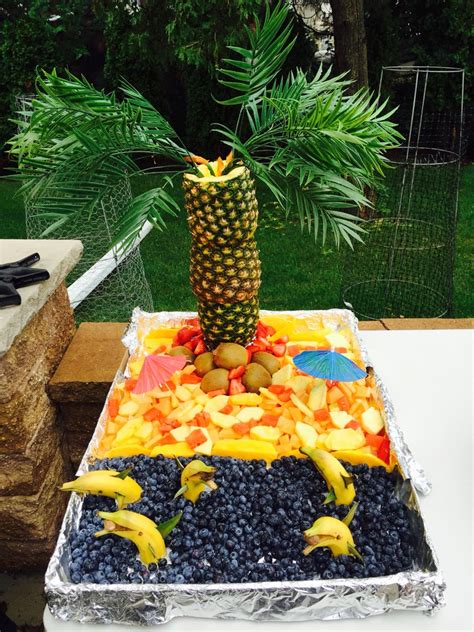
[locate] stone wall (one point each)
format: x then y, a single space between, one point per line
32 461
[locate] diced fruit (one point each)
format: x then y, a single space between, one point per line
245 449
177 449
321 415
278 350
222 420
190 378
182 394
345 439
144 432
245 399
128 430
344 403
152 414
301 406
334 394
286 425
372 421
241 428
373 441
113 406
128 409
249 413
196 438
383 451
317 396
180 434
306 434
236 373
269 420
282 375
337 340
299 383
236 387
267 393
216 403
265 433
206 446
340 418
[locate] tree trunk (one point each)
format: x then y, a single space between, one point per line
350 40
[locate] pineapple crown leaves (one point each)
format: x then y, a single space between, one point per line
310 143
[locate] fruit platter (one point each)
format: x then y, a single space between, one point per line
244 481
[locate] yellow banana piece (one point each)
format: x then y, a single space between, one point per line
336 476
108 483
195 477
332 533
139 529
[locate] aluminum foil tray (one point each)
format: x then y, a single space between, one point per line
149 604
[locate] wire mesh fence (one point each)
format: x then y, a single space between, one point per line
405 268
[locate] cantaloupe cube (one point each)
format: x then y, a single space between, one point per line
265 433
295 442
213 432
112 427
286 425
334 394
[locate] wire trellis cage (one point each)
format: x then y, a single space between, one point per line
126 286
405 268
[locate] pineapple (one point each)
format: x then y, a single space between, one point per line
224 263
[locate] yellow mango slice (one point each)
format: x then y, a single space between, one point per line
245 449
174 449
245 399
127 450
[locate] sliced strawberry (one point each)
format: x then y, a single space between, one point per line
278 350
236 387
235 373
282 340
200 347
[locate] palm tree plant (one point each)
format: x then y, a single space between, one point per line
312 145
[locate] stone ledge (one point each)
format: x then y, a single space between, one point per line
89 365
21 554
58 256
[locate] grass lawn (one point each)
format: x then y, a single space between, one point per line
296 273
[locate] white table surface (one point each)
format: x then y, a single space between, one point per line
429 376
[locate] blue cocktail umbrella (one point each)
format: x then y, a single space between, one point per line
328 365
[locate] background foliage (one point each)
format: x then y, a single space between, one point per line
170 49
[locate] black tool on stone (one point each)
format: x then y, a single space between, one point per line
19 274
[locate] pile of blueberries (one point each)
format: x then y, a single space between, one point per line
249 530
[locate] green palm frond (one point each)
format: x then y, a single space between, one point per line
258 65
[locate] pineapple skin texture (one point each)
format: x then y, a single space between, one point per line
224 259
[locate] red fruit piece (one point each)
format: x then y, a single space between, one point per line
113 407
374 440
200 347
195 438
235 373
352 424
321 414
278 350
130 384
190 378
167 440
268 420
227 409
218 391
343 403
153 414
241 428
383 451
236 387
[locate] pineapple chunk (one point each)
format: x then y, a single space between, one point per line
181 432
145 431
299 404
206 447
268 394
338 340
250 412
181 410
306 434
175 449
182 394
282 375
346 439
371 420
340 418
245 449
299 382
317 396
245 399
190 414
265 433
216 403
128 430
128 409
221 420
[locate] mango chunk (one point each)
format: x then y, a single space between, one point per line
172 450
265 433
126 450
245 449
346 439
356 457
